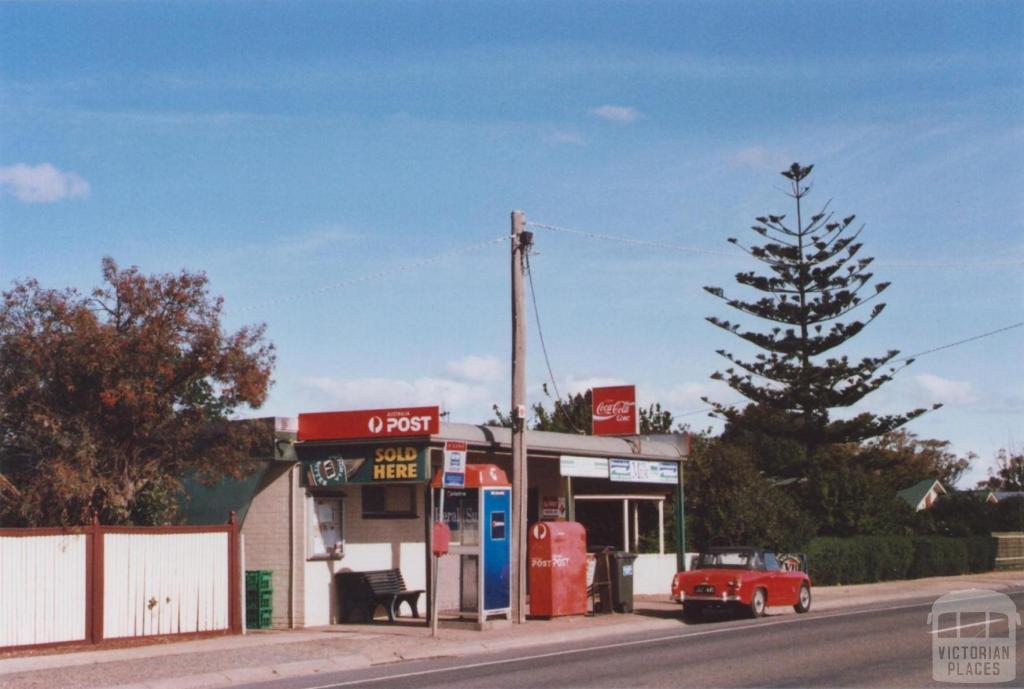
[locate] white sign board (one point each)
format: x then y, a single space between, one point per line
583 467
455 463
639 471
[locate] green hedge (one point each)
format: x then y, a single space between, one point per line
865 559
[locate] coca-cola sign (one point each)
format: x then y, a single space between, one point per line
614 410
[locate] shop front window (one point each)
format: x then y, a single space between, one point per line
389 502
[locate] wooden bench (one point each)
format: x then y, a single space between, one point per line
366 590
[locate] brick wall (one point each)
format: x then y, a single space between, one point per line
268 540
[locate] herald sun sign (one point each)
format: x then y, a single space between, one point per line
369 423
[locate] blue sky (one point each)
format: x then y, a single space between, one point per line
290 150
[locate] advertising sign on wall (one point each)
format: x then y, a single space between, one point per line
583 467
614 410
383 464
369 423
640 471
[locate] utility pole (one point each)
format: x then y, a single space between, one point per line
521 240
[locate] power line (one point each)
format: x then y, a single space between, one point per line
906 358
960 342
634 242
544 348
374 276
711 252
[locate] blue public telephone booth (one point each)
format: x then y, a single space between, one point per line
479 515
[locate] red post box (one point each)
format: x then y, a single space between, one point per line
558 569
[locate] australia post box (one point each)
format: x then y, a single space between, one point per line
558 569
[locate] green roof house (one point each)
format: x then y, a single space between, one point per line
922 495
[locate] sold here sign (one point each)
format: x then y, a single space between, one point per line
369 423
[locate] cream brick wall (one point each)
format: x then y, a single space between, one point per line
269 541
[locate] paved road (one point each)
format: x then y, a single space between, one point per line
880 646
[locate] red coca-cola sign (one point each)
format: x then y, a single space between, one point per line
369 423
614 410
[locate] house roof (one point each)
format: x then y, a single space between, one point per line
1006 494
669 447
917 492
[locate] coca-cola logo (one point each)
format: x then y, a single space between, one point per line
609 409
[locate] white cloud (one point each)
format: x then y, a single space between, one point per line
564 137
461 398
937 389
760 158
575 386
620 114
480 369
41 183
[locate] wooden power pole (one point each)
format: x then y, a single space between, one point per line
521 240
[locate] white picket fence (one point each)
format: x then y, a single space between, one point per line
99 583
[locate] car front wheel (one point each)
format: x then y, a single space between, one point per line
758 602
804 601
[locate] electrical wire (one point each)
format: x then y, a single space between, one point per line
711 252
960 342
634 242
374 276
544 348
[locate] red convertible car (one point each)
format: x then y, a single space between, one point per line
749 579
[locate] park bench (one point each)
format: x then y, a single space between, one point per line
366 590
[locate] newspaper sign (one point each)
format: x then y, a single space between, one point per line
455 463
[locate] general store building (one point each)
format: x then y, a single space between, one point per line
325 502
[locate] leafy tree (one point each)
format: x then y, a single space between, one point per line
654 420
575 413
1009 471
904 459
847 499
813 279
728 500
106 399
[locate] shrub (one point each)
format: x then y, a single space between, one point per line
936 556
865 559
981 553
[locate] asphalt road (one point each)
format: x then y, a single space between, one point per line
882 646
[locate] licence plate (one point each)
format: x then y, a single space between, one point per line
704 588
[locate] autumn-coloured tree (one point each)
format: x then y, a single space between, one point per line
106 399
813 279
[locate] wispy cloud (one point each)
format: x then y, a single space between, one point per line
482 369
619 114
760 158
565 137
944 390
42 183
463 399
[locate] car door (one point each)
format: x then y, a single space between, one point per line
778 583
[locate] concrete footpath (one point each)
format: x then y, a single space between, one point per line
268 655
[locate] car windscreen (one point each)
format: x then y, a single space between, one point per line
726 560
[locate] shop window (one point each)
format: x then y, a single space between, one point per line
389 502
326 528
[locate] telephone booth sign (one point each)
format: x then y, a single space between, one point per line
479 517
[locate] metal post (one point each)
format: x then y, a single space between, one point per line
520 245
661 527
680 524
436 562
625 525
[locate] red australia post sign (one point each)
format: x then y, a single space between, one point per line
369 423
614 410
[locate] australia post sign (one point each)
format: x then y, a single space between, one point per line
614 410
369 423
